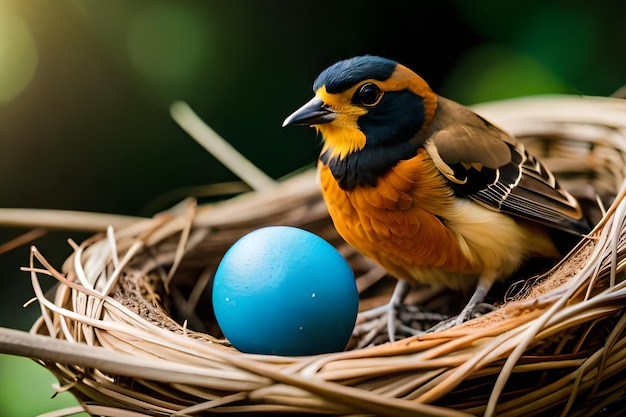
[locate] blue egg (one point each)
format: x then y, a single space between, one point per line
281 290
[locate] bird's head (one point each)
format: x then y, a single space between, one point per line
366 102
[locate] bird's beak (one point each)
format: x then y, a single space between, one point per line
312 113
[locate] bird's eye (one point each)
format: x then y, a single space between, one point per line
368 95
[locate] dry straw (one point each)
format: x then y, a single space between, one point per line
128 329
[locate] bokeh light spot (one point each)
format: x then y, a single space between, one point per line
18 56
166 43
562 38
491 73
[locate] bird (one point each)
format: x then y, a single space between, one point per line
426 187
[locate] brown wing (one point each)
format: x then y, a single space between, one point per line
490 167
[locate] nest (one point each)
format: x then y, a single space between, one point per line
132 332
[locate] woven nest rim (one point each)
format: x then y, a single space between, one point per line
98 340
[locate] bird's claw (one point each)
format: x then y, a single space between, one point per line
393 321
468 313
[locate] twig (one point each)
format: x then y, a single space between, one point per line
220 148
63 219
22 239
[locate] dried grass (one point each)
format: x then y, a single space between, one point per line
129 329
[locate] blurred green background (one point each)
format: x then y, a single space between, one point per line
85 90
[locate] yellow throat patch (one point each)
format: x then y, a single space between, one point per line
342 136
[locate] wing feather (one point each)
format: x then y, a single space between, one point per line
487 165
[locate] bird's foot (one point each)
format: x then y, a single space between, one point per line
474 305
468 313
393 320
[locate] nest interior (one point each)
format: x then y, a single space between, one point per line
133 306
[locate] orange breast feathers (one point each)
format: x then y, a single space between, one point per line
413 225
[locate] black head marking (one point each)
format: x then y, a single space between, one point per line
391 121
364 168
